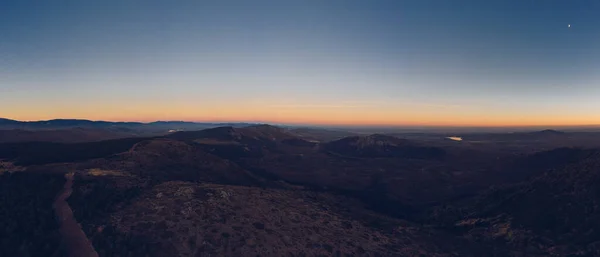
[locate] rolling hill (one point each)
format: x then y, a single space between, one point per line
556 213
382 146
70 135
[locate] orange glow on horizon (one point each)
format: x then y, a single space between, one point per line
307 115
338 121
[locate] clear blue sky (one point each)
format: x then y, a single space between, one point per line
337 61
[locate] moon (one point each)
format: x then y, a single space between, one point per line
569 25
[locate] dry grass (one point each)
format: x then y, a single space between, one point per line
101 172
194 219
9 167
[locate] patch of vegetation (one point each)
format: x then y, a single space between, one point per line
28 226
36 153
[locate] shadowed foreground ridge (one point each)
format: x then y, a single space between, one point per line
28 224
556 213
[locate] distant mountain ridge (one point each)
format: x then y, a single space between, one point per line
73 123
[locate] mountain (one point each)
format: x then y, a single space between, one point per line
265 190
549 132
320 134
6 122
223 134
556 213
69 135
378 146
238 134
243 141
167 159
139 127
67 123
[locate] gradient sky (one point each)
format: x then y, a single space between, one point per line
397 62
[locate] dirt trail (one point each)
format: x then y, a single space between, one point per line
75 240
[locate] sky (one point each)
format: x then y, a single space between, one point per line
376 62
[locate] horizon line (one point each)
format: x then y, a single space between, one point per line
318 124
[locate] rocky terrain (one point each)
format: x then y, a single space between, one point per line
190 219
553 214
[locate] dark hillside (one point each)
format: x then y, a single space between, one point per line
28 226
189 219
382 146
167 159
265 135
558 211
70 135
35 153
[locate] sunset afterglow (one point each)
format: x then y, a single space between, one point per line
319 62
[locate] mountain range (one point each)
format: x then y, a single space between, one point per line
257 189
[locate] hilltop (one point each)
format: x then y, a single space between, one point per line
382 146
247 134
